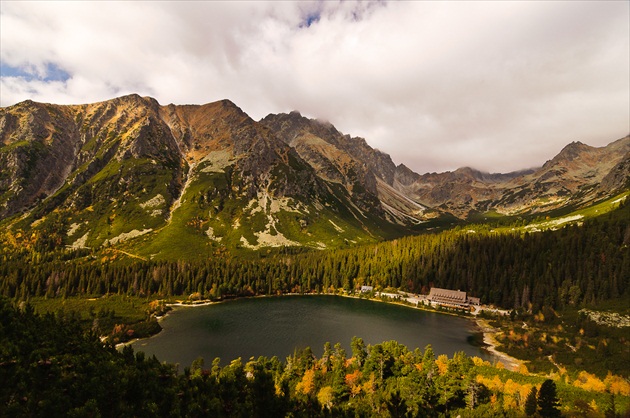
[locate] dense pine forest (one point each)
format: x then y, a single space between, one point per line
583 265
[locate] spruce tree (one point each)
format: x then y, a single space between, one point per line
548 400
358 350
531 403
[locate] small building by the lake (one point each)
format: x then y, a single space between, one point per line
452 298
367 289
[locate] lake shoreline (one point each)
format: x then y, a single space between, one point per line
490 343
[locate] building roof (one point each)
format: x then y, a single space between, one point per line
446 295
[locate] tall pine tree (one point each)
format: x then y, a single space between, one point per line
531 403
548 401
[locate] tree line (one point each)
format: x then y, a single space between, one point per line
573 266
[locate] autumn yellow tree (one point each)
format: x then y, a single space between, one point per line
442 364
325 397
589 382
307 384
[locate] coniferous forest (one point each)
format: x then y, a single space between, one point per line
574 266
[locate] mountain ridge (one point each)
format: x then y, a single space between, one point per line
467 191
131 172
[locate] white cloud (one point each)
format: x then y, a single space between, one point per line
498 86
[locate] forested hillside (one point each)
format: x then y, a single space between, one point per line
574 266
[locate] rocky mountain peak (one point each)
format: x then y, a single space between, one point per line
230 105
130 101
468 172
288 126
405 176
569 153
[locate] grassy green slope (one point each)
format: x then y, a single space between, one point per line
211 217
547 221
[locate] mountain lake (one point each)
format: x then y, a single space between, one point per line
277 326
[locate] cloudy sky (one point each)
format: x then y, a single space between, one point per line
498 86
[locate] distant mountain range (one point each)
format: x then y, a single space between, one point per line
168 181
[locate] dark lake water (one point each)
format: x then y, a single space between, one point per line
276 326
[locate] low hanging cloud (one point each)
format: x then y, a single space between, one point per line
498 86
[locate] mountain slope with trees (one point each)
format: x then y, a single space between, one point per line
573 266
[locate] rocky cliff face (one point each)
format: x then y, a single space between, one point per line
35 138
163 180
336 157
366 173
617 179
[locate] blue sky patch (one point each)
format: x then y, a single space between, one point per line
309 19
52 73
